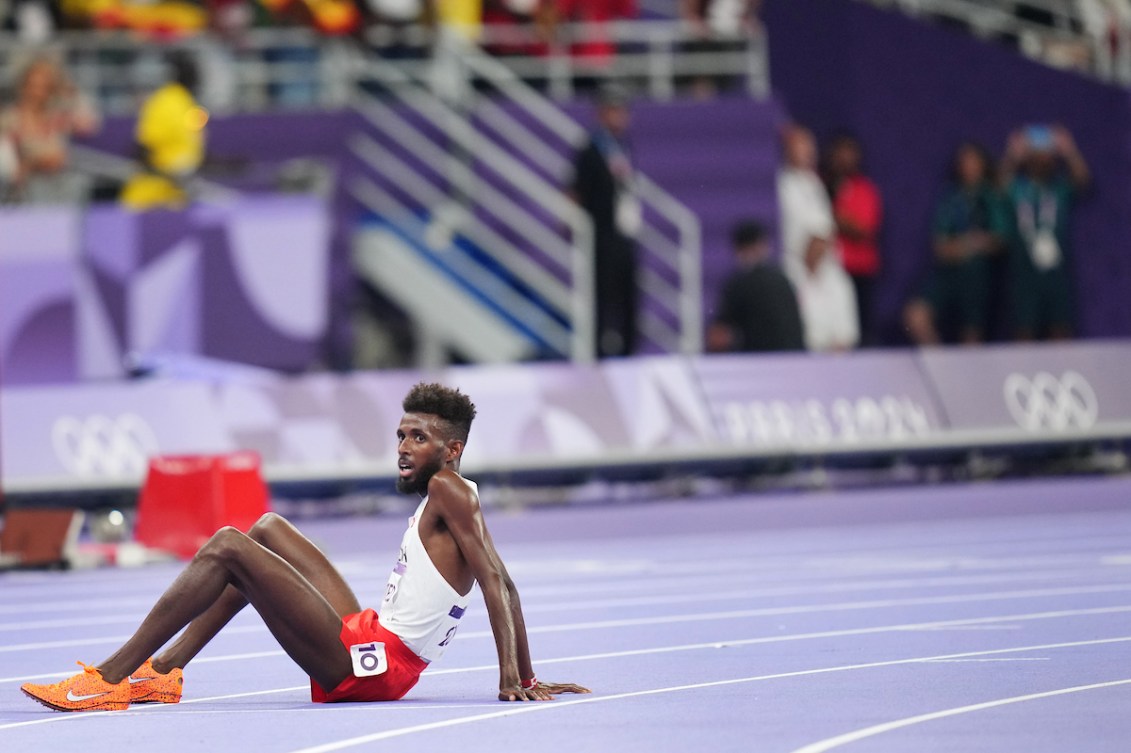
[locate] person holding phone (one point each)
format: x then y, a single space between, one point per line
1044 173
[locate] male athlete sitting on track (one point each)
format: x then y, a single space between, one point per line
349 654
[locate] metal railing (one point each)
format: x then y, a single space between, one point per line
658 55
475 205
522 144
670 237
101 164
297 68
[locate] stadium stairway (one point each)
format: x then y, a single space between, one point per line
719 158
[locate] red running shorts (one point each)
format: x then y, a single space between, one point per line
403 672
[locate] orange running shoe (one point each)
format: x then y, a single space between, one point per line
86 691
147 685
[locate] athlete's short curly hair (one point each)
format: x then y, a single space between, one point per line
451 405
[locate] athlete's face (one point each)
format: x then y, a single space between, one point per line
423 447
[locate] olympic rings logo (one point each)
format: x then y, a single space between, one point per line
102 446
1045 402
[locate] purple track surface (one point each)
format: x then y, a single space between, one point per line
992 617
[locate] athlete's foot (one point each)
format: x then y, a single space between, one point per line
147 685
86 691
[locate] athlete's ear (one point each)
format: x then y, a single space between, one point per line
455 449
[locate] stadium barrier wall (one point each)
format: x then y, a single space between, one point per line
81 289
547 417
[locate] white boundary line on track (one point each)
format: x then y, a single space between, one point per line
684 618
851 737
113 639
58 717
908 627
666 598
560 704
198 660
812 568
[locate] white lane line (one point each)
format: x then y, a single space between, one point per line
338 708
671 595
668 649
823 588
179 709
560 704
78 621
134 710
851 737
198 660
798 568
975 627
372 570
972 622
685 618
1015 658
660 573
24 608
113 639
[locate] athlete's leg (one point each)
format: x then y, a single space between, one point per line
301 619
277 534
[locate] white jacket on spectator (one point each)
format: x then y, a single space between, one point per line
825 295
400 11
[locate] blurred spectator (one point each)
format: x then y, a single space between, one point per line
230 19
331 17
170 135
824 290
527 24
9 168
397 19
717 26
38 127
398 12
297 87
463 17
459 25
597 49
858 212
1044 172
1108 24
758 308
33 21
163 19
971 225
603 186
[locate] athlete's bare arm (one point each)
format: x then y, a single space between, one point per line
458 509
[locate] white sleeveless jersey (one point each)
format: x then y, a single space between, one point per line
420 607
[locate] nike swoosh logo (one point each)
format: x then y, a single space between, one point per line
139 679
72 697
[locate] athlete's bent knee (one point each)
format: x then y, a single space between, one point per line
263 527
223 544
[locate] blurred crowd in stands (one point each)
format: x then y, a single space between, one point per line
1000 255
47 109
35 132
1000 250
38 20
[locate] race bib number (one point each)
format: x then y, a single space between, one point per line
368 659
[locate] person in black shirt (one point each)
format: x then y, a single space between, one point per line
602 185
758 309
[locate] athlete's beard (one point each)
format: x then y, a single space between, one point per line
418 482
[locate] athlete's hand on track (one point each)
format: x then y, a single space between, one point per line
543 691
